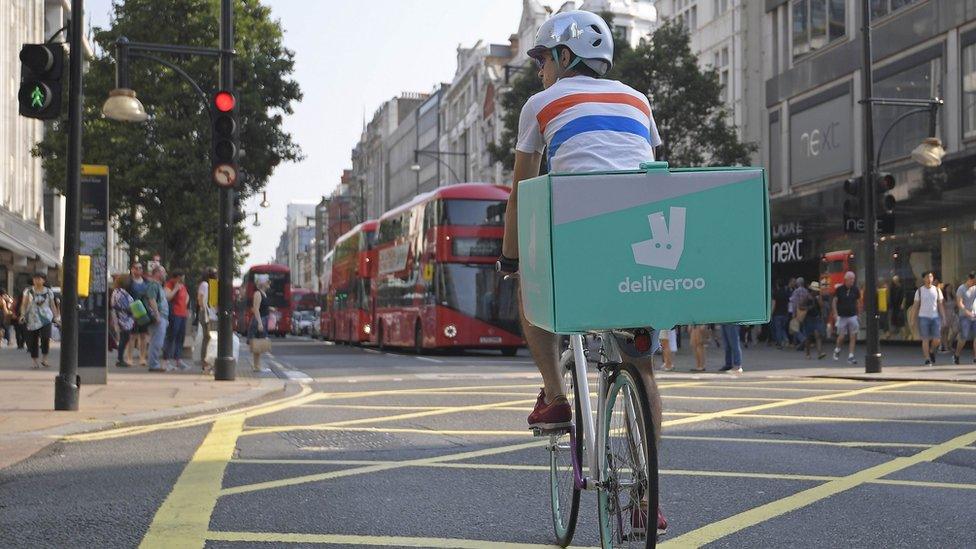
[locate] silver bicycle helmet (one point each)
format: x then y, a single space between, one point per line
586 34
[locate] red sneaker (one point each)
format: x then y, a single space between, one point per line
554 415
662 523
638 520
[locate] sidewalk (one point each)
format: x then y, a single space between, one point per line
899 363
28 421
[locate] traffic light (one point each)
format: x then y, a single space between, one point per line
886 202
224 154
854 206
40 80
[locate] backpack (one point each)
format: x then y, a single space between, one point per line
139 308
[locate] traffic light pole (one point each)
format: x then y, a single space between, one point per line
872 358
66 384
225 366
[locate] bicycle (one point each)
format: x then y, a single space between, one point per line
624 472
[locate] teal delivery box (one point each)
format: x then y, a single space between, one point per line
653 247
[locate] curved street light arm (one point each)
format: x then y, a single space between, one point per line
437 157
179 71
930 110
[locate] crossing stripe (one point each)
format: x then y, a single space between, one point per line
380 541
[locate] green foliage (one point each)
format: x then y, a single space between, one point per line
685 101
161 196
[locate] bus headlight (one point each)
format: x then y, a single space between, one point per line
367 329
450 331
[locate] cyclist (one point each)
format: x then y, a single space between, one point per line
588 124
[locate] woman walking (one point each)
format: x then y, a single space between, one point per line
121 318
6 316
38 312
257 335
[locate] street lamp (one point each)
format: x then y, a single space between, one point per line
436 155
264 200
123 105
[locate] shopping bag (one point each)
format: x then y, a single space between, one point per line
140 313
259 346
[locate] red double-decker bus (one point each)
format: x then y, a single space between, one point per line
279 298
350 288
435 285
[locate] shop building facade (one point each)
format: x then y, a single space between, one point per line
814 134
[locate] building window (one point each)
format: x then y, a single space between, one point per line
923 81
686 14
969 90
816 23
880 8
720 6
621 32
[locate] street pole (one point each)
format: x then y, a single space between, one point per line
225 367
872 358
66 384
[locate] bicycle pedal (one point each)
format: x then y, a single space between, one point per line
547 431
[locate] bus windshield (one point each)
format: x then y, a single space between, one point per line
473 213
479 292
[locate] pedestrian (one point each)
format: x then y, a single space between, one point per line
798 298
179 305
699 336
896 308
966 303
20 331
38 312
155 299
257 334
847 298
780 314
733 352
6 316
121 317
206 316
813 322
929 314
665 337
140 334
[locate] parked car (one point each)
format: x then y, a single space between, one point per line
302 323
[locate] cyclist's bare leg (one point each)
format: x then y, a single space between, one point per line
544 347
646 369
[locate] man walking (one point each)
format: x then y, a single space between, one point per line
845 308
929 316
781 314
966 303
798 301
156 300
206 315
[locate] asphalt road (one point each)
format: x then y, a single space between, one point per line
397 450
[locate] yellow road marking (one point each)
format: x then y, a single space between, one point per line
374 468
383 541
410 415
763 513
545 468
184 517
843 444
305 395
372 407
791 402
907 404
856 419
690 397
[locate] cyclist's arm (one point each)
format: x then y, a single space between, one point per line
526 167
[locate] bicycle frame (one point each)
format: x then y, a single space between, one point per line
609 353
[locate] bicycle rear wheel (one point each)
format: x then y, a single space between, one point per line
563 492
629 496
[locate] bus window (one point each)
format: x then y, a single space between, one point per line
473 213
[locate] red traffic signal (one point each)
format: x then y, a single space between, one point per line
224 101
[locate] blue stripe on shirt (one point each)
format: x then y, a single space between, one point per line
597 122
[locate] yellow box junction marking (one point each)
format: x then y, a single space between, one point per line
386 541
184 518
763 513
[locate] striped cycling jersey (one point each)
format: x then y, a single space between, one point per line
589 124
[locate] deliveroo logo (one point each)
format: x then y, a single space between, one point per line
667 241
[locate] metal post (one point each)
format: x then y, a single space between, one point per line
66 384
872 358
225 366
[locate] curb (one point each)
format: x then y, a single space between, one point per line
20 446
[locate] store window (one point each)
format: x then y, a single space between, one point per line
881 8
969 90
921 81
774 173
816 23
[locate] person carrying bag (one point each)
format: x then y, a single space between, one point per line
258 330
39 311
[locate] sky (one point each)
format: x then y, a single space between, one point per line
350 57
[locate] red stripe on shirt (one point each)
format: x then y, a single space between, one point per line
553 109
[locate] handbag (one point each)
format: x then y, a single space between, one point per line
260 346
794 326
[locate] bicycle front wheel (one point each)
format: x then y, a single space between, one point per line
563 492
628 496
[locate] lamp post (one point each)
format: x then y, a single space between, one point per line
436 155
123 105
929 154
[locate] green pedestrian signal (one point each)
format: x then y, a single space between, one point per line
37 98
40 80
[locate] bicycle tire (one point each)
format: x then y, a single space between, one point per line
610 509
563 518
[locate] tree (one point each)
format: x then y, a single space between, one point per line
161 197
685 101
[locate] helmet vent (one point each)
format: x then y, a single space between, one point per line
596 29
597 42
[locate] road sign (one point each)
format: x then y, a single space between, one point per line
885 224
225 175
